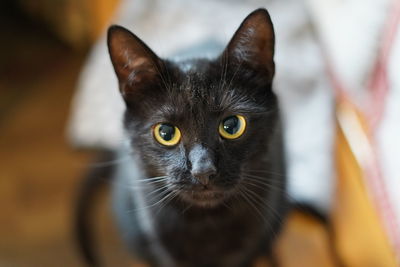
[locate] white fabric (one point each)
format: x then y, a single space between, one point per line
388 136
352 32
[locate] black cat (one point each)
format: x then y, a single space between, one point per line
204 183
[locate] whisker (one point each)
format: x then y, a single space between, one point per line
261 202
143 183
157 190
162 199
152 178
259 186
226 205
263 185
263 181
172 196
187 208
161 192
264 203
247 198
101 164
262 171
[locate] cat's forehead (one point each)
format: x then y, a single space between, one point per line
202 101
197 87
193 65
201 89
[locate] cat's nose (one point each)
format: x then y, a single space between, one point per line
204 176
201 160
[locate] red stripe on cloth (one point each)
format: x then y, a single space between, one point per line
379 83
379 88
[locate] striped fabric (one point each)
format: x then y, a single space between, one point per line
359 232
366 225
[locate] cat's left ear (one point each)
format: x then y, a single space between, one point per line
253 43
135 64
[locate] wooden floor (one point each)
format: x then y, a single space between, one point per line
39 171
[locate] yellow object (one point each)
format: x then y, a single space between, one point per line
162 136
236 131
77 22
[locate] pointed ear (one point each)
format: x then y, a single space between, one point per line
253 43
134 63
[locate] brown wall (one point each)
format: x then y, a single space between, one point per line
78 22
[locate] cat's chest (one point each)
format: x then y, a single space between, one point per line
216 240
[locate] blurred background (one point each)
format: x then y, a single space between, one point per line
43 46
53 56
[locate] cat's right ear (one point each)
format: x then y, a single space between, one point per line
254 43
135 64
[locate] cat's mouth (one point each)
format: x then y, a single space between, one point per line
204 197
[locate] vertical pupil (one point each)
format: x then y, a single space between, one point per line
231 125
167 132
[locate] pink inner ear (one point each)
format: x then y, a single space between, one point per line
138 62
133 68
130 62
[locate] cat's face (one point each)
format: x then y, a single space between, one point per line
203 126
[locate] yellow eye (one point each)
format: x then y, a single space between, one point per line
232 127
167 134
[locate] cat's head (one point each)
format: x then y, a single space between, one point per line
202 122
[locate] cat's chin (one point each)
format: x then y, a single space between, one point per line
205 198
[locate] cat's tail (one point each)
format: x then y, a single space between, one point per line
97 177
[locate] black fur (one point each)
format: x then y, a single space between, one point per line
236 216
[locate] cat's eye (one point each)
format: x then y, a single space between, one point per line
167 134
232 127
